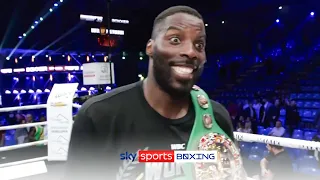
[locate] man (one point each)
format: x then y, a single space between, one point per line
21 134
257 105
249 112
292 117
154 114
251 116
268 116
276 109
277 165
31 130
278 131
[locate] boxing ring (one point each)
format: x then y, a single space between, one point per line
241 137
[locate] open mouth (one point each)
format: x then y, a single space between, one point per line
183 70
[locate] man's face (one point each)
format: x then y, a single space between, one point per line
277 102
178 53
29 118
278 124
18 116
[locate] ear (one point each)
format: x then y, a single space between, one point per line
149 48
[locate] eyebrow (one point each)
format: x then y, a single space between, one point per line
180 29
204 36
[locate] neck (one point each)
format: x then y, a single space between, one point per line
162 102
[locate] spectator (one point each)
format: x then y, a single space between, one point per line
245 104
41 132
292 117
233 111
249 112
19 118
257 105
32 130
250 115
277 109
241 126
21 135
11 120
29 118
247 127
277 165
267 113
278 130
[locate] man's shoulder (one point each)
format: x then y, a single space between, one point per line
219 108
222 117
112 98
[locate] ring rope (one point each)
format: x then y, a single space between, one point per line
24 145
28 107
280 141
20 126
23 162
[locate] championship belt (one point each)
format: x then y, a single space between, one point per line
206 135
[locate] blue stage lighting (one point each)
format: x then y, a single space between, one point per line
23 91
280 7
61 0
24 34
36 22
15 92
41 19
83 89
31 91
312 13
38 91
20 57
16 79
55 4
277 20
47 90
8 92
50 9
32 27
7 58
20 37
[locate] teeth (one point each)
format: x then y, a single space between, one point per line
183 70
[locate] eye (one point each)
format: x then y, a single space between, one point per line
175 40
200 46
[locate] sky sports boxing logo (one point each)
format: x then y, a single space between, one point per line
170 156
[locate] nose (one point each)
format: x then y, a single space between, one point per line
188 51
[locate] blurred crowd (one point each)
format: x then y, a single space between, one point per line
247 115
22 135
